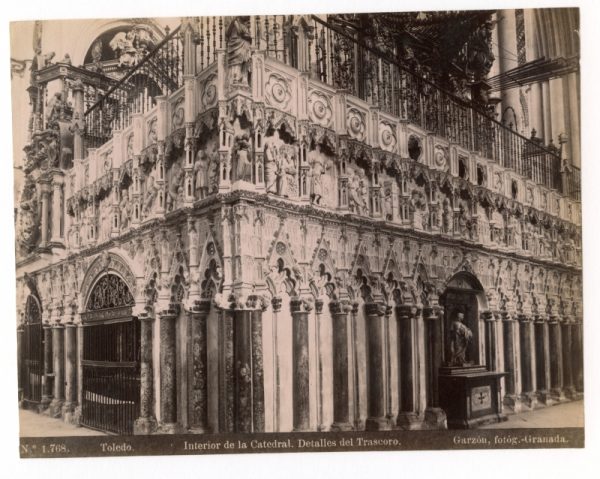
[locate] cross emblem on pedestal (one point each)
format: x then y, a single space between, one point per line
481 397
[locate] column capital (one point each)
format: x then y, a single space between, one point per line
168 310
198 308
319 306
488 316
339 307
524 318
300 305
375 309
432 313
407 311
276 304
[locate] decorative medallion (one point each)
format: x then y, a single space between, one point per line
277 92
355 124
319 108
209 92
440 158
280 248
152 131
387 137
178 117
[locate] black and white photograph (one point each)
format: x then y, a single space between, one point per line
298 232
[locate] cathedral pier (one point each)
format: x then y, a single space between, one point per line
48 380
434 415
71 384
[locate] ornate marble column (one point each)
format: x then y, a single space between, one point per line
276 308
490 340
48 384
556 352
168 373
300 309
511 338
388 365
434 415
70 404
354 368
146 423
376 420
58 356
319 347
341 400
407 417
567 357
542 359
199 383
248 383
527 364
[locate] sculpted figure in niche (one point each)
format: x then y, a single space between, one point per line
238 50
213 170
315 160
354 187
149 196
289 170
271 168
125 206
460 337
243 170
54 108
387 203
177 176
328 183
201 172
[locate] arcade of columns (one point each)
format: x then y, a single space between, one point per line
265 308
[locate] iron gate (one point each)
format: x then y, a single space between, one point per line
111 359
32 364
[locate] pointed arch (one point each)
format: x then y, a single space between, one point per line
210 268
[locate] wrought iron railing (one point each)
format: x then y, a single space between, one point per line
339 58
160 72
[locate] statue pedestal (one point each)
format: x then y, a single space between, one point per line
470 395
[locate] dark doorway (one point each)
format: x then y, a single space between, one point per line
111 358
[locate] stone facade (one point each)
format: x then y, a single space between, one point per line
293 252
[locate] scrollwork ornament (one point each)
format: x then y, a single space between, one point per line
355 124
387 137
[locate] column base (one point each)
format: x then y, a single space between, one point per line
529 400
169 428
71 413
408 420
341 426
198 430
144 425
45 404
513 403
435 418
557 394
570 392
55 408
544 398
378 424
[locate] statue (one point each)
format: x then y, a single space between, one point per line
238 50
460 337
316 162
201 166
356 203
213 171
328 181
289 171
243 170
149 195
271 162
55 109
125 206
177 175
